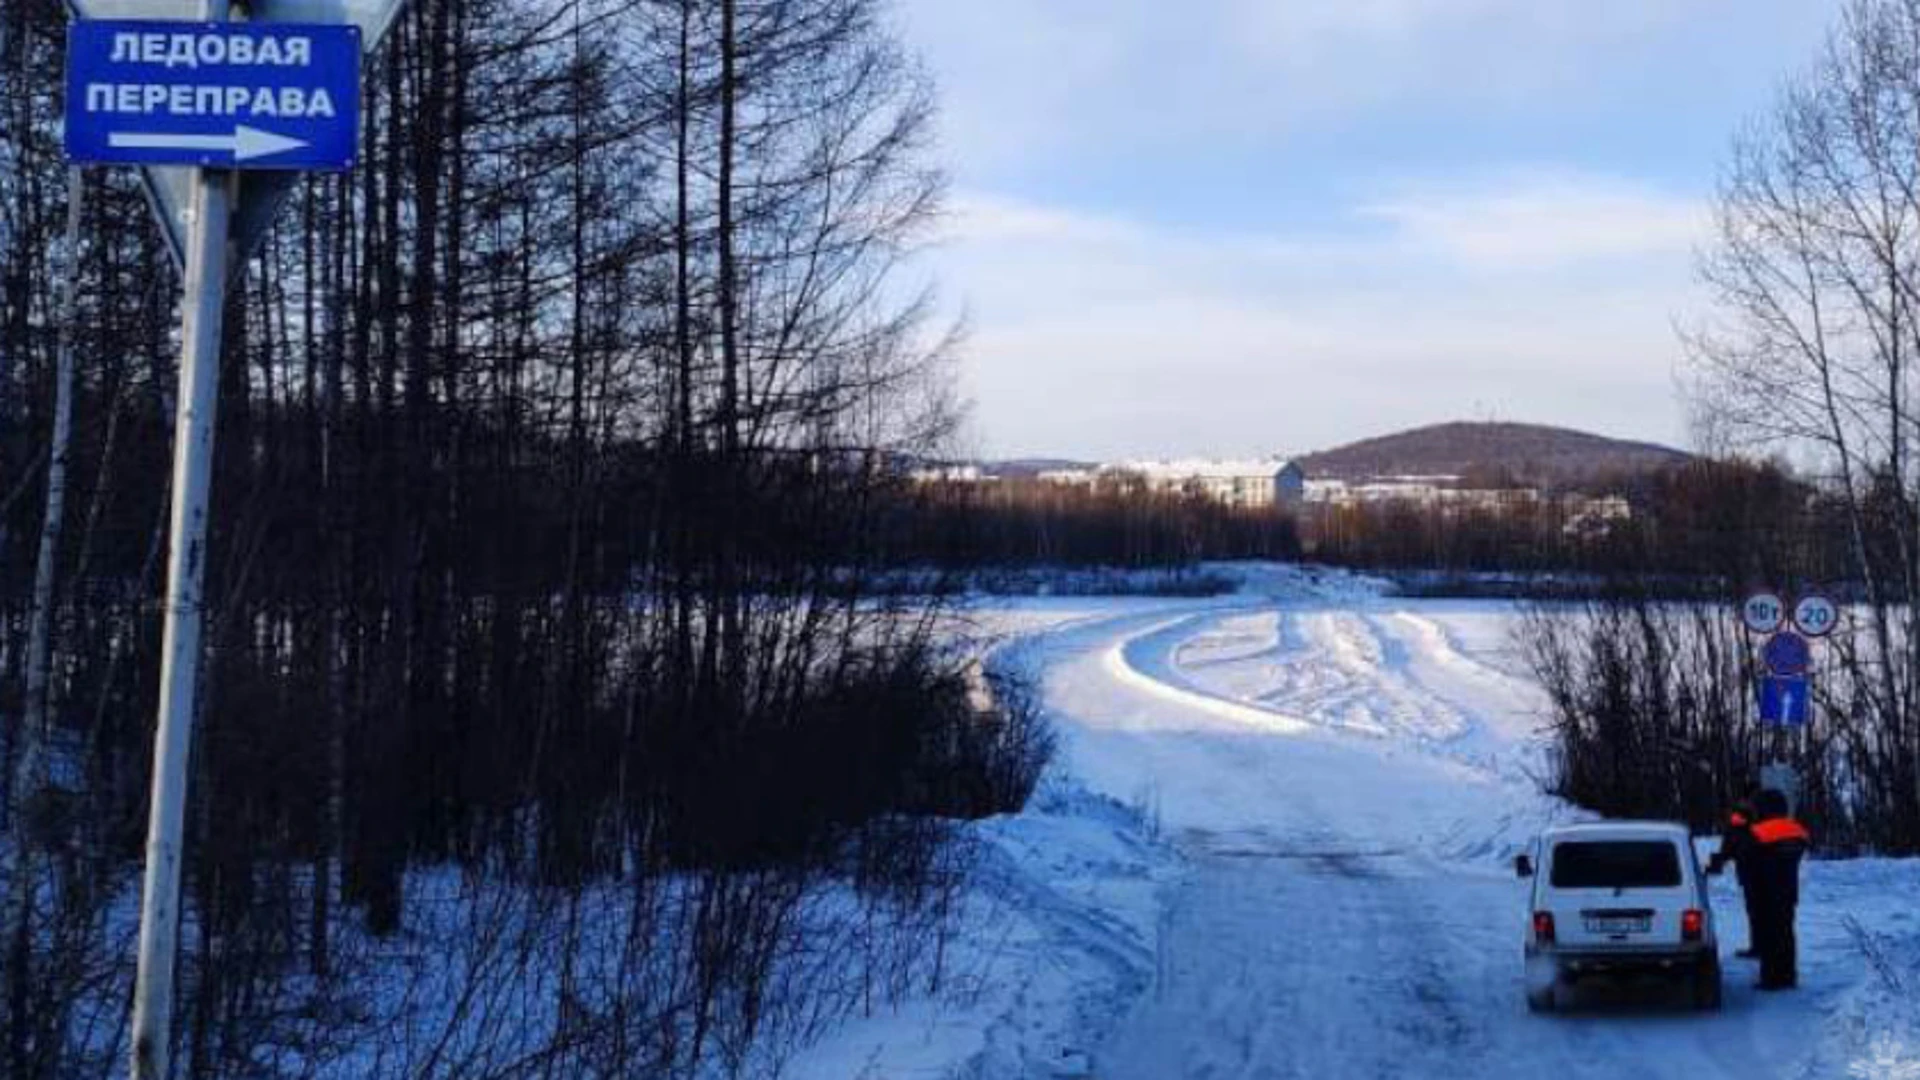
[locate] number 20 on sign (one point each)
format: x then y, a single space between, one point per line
1816 616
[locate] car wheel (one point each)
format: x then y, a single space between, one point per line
1706 985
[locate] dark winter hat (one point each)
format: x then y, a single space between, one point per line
1770 804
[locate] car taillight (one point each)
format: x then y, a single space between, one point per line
1693 923
1543 927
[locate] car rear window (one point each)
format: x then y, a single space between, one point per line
1616 864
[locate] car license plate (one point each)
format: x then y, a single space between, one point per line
1628 925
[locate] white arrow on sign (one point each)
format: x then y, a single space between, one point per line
245 144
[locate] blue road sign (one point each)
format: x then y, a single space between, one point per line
223 95
1785 700
1787 653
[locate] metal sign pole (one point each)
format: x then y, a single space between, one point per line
199 101
202 310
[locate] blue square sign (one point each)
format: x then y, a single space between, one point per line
218 95
1785 700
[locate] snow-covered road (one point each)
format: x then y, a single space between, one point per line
1341 778
1344 776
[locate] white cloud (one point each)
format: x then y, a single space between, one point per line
1532 296
1530 223
976 218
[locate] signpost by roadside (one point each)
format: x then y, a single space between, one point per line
217 95
1815 615
1784 700
1763 613
221 116
1785 779
1783 688
259 192
1787 654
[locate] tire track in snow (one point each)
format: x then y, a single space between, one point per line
1443 647
1500 714
1427 717
1145 661
1338 670
1235 641
1310 939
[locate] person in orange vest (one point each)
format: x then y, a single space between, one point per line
1737 847
1779 843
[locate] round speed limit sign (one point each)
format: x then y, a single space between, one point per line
1763 613
1816 616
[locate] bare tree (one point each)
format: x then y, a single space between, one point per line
1816 345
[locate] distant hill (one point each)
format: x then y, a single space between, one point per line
1530 453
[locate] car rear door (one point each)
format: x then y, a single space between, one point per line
1617 893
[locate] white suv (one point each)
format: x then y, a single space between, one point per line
1618 898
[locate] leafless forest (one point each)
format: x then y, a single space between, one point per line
545 697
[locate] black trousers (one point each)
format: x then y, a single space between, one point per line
1753 918
1773 937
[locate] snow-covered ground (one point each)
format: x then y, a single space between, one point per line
1276 844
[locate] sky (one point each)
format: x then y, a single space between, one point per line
1233 227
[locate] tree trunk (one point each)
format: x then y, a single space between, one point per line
31 786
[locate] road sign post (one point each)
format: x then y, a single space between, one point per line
220 116
1785 700
1785 779
1787 653
1762 613
1816 616
1783 687
218 96
261 192
180 650
213 94
203 306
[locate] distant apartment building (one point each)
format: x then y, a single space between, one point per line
1424 490
1248 485
1588 516
1069 477
1583 514
959 473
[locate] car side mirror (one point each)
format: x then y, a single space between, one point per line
1522 866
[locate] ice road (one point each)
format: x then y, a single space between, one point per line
1339 780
